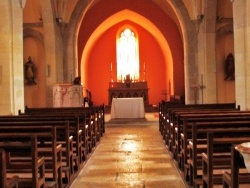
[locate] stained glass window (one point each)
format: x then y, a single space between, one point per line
127 55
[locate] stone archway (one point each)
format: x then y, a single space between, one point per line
188 32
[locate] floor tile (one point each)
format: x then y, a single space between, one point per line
130 156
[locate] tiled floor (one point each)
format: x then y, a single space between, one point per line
130 155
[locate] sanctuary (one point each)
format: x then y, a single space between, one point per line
128 88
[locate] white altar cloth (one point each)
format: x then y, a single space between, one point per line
127 108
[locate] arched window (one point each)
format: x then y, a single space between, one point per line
127 55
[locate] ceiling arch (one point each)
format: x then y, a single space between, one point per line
170 17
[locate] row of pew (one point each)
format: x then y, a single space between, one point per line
47 147
201 139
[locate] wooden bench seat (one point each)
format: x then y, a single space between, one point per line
86 126
194 146
79 149
238 173
215 143
97 111
183 132
5 182
180 143
94 120
166 110
175 122
47 146
183 126
34 166
184 120
78 127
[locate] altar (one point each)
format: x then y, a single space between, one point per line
128 89
127 108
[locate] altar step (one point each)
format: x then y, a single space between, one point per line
148 108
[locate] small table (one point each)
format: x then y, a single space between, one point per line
127 108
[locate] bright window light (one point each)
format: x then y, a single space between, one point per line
127 55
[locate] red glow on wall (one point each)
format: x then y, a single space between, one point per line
96 64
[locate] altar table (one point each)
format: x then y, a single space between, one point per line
127 108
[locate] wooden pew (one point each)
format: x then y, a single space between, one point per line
5 182
94 119
238 173
79 154
176 132
51 144
161 120
168 112
197 147
183 129
101 118
166 109
176 126
100 110
34 166
218 155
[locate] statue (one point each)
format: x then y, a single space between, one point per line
29 72
77 81
229 67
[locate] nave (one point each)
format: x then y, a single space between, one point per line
130 154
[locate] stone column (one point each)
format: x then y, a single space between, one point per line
241 16
53 48
11 57
206 54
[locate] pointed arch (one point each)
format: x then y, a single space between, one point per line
179 15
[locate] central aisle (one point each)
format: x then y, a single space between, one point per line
130 156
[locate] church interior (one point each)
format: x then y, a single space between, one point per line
87 54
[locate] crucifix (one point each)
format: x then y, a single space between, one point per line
202 88
195 90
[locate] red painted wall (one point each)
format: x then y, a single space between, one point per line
104 49
104 52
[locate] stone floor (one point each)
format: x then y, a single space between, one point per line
130 155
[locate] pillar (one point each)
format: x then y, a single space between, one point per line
11 57
241 16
